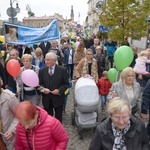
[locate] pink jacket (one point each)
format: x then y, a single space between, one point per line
48 134
140 66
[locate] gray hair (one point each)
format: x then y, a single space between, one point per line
52 55
118 105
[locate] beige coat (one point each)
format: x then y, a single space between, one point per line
79 70
8 102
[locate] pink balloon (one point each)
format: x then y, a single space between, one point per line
30 78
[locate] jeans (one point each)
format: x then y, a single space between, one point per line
70 68
111 60
103 101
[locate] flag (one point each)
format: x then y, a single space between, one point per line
22 35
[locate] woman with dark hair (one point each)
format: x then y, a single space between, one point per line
37 130
8 102
87 65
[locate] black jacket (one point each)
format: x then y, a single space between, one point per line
145 106
136 138
59 81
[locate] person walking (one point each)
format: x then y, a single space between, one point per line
8 123
37 130
53 80
120 130
104 85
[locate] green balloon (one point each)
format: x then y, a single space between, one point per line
112 74
123 57
73 44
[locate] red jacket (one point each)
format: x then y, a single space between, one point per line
48 134
103 85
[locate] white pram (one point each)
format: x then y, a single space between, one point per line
86 99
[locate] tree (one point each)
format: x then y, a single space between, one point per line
28 9
125 18
31 14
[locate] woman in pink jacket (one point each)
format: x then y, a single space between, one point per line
37 130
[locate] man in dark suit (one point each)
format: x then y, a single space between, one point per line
45 46
24 50
53 80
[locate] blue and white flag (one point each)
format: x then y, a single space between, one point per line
22 35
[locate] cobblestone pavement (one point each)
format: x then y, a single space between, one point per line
75 143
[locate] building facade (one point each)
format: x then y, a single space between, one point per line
39 22
92 22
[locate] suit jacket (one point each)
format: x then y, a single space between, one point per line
118 87
58 81
27 51
44 48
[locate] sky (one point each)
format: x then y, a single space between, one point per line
47 7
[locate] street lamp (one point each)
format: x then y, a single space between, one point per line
12 12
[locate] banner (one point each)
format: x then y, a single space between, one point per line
22 35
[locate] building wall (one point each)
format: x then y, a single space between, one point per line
43 21
92 23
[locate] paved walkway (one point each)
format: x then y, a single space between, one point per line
75 143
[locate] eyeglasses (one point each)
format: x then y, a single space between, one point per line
115 118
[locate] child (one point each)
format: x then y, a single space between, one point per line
103 85
140 66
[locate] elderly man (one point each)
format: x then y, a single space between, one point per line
10 82
54 81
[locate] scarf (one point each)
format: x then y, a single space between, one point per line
119 142
93 68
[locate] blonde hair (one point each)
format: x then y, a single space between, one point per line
125 73
26 56
118 105
38 50
105 73
143 53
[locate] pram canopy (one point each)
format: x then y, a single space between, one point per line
86 92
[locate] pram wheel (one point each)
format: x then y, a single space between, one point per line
94 129
72 118
81 134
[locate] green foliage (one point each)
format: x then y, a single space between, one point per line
102 35
31 14
125 18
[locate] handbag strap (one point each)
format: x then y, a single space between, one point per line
28 141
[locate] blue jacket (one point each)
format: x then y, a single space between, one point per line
41 64
146 99
111 48
66 56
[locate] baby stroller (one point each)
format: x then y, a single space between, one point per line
86 99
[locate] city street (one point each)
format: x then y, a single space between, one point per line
75 143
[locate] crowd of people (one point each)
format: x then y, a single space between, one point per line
27 126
